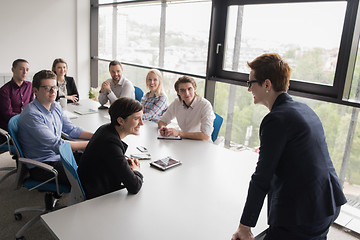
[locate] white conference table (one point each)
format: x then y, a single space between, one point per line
201 199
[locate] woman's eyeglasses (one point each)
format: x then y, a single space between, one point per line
49 88
249 83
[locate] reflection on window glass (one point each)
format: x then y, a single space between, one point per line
136 36
339 122
307 35
355 83
105 32
187 36
103 72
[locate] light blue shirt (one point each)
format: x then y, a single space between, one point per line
40 131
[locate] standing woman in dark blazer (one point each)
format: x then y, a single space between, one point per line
103 167
67 87
294 168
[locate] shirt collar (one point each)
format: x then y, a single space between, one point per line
192 105
121 81
14 84
148 93
42 108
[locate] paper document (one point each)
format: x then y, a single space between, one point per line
83 111
70 115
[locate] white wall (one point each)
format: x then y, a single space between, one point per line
42 30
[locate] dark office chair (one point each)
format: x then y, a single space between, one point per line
77 193
53 190
7 147
217 125
138 93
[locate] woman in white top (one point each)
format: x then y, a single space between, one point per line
154 101
66 85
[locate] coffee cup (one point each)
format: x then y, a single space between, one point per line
63 103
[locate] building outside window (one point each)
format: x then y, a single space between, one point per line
176 38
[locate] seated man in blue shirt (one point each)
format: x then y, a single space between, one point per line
40 126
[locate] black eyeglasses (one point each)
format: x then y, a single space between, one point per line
49 88
249 83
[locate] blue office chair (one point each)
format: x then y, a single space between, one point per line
53 189
77 193
7 147
217 125
138 93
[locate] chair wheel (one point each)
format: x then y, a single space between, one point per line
21 238
18 217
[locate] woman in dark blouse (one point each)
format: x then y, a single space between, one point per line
103 167
67 86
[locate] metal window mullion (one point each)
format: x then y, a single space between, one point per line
346 89
94 43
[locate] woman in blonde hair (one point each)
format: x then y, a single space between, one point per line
154 101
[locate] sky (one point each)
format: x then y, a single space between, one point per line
306 24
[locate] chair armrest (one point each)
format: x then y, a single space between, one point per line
6 134
3 132
42 165
8 138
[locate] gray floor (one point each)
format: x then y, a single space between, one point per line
11 199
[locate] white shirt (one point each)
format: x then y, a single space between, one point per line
124 88
198 117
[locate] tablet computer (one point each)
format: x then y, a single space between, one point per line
165 163
169 137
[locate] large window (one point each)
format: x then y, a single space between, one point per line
150 34
213 40
295 31
340 122
317 38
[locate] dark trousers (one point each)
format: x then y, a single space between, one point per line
43 175
315 231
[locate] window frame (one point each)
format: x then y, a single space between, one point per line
337 93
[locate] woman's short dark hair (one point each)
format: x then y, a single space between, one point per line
271 66
43 74
123 107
